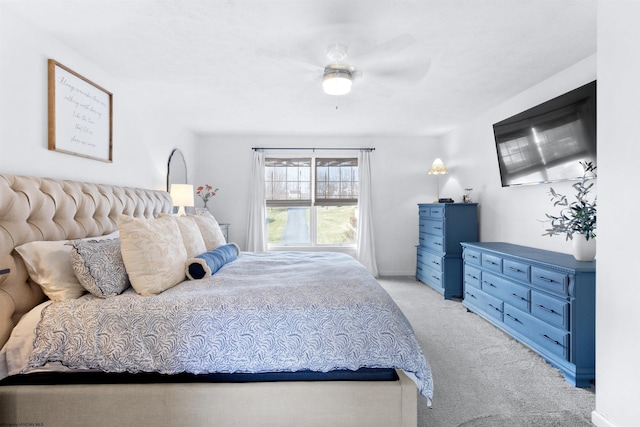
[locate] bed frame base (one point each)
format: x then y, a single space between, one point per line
334 403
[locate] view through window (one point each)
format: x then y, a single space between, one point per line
311 201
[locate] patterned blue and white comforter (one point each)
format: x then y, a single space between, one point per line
274 312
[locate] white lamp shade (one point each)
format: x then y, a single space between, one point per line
337 83
182 194
438 168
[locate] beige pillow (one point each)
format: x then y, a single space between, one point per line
153 253
191 236
210 230
49 265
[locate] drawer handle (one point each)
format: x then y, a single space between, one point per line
437 228
489 283
514 318
546 279
495 308
473 256
472 276
492 262
436 277
471 295
435 262
546 337
517 270
419 269
549 310
437 243
521 298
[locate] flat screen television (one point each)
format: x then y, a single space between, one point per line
547 142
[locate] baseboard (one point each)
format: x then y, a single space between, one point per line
392 274
600 421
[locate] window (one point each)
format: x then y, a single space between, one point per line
311 201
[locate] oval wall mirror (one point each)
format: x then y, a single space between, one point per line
176 169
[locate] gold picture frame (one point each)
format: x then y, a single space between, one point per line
80 115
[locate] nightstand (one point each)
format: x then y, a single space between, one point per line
225 231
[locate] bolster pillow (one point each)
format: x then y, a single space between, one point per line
206 264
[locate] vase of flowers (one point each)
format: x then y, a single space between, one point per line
206 192
577 219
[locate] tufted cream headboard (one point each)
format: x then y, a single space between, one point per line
47 209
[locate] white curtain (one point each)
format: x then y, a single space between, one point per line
256 233
366 246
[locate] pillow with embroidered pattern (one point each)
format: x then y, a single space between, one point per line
99 267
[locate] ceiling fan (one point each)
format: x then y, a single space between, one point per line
338 75
381 73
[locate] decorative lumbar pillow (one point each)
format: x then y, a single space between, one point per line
49 265
206 264
191 236
99 267
210 230
153 253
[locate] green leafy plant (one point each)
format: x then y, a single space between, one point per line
578 216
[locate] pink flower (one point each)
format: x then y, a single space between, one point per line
205 193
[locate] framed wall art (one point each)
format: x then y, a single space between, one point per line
80 115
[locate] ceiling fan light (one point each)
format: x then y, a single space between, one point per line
337 82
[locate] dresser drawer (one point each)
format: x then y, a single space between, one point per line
554 340
422 238
517 270
432 261
552 281
431 211
511 293
491 262
432 226
472 275
549 309
471 257
437 212
435 243
431 277
491 306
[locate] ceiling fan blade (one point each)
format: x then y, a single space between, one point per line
302 63
372 87
385 50
406 74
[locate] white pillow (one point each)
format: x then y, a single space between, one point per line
191 236
210 230
49 265
153 253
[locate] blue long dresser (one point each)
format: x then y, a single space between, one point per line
544 299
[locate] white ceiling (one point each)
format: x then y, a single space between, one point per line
255 67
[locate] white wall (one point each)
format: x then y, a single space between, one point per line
400 181
618 290
510 214
142 140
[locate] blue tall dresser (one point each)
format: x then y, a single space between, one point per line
442 227
543 299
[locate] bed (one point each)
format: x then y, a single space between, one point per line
324 346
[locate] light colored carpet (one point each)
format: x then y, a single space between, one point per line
482 377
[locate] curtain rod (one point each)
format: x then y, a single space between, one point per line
312 148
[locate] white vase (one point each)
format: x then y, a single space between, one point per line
583 249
